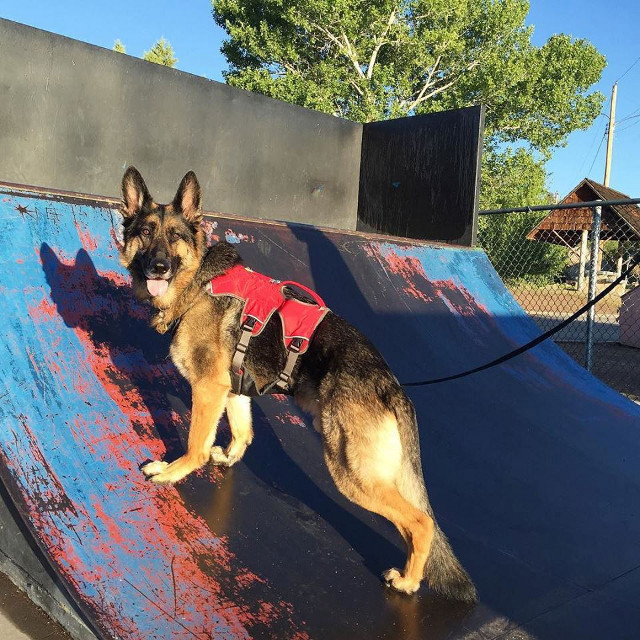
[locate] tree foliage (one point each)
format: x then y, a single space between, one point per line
511 179
516 259
161 53
378 59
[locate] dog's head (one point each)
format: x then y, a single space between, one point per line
163 244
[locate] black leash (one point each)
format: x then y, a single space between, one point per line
536 341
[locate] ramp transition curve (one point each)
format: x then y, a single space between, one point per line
533 467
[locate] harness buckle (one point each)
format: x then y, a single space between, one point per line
249 323
284 377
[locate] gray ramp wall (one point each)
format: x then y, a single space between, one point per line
73 116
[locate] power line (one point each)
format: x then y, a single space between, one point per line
588 153
631 115
633 124
629 69
597 152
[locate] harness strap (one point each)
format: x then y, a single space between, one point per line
238 357
293 353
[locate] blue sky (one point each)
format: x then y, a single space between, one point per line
188 25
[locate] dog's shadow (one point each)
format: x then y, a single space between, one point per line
117 323
269 461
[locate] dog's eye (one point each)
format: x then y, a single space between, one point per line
145 231
175 236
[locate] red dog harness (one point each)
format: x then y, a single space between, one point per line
262 297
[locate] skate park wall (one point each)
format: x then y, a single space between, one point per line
74 116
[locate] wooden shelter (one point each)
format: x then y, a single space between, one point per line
570 227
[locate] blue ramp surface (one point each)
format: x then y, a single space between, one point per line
533 467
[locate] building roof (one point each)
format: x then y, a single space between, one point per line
565 226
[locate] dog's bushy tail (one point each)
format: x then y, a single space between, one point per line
443 572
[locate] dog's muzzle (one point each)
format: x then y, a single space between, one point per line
158 272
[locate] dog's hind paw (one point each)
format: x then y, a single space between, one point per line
397 581
154 468
219 457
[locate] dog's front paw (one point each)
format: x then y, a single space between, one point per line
397 581
168 473
161 321
154 468
219 457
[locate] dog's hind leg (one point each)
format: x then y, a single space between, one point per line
239 416
417 529
365 457
209 396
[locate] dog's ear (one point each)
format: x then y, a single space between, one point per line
187 199
134 193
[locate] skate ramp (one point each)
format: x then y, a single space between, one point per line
532 467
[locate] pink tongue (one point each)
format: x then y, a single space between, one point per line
157 287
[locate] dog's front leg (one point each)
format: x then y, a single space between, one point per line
239 416
209 396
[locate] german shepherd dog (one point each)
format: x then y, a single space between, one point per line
367 423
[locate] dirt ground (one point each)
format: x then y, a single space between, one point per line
20 619
615 364
563 299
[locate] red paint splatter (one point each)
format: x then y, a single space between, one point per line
115 537
43 310
408 268
88 242
247 578
232 236
412 272
290 418
114 238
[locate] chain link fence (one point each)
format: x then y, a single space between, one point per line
555 262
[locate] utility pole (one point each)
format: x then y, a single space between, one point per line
607 162
596 261
607 173
612 124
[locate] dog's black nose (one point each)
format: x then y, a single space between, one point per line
160 266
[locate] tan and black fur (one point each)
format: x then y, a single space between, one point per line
367 423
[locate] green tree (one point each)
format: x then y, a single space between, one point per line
511 179
378 59
161 53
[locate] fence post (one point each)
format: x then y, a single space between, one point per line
593 280
583 258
